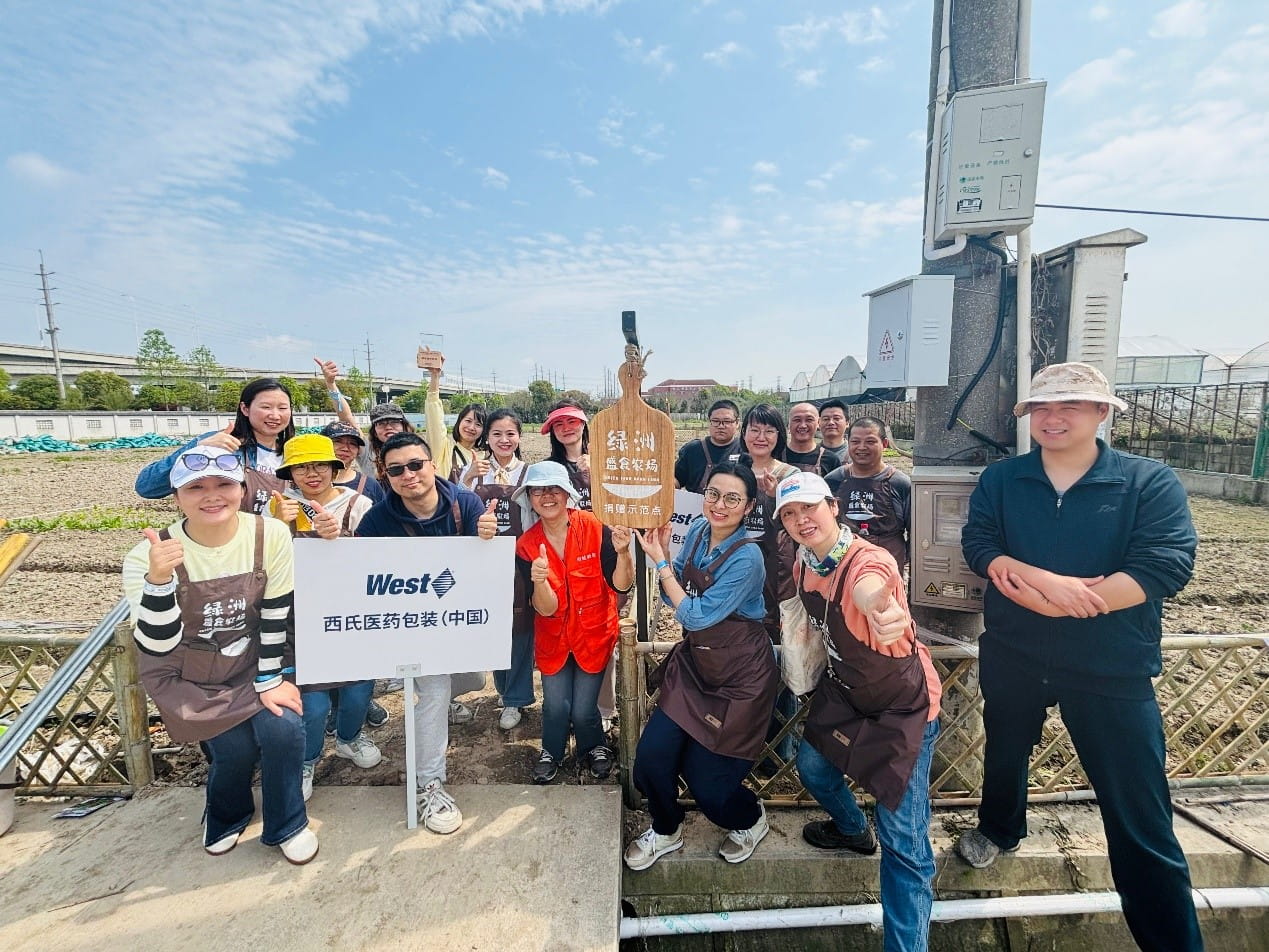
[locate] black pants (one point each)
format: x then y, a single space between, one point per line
1120 746
665 752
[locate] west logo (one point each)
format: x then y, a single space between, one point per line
389 584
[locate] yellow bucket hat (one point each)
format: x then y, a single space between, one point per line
307 448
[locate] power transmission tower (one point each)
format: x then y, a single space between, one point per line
370 374
52 330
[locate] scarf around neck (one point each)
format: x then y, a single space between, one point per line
832 559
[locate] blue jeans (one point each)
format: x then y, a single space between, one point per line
907 858
515 684
277 744
571 696
353 702
717 782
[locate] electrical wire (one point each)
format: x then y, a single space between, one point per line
1142 211
1001 309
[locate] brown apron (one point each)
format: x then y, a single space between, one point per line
812 467
260 488
456 464
720 684
201 692
778 552
869 506
732 455
510 523
869 711
580 478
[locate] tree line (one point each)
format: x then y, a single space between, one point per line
198 382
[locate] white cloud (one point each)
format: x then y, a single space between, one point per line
492 178
567 157
723 55
1184 20
857 143
581 158
854 27
874 64
656 58
1097 75
1099 13
646 155
580 189
34 169
764 188
764 167
810 78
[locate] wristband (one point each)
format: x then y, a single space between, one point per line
336 396
663 564
157 588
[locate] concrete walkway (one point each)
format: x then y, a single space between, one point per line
532 868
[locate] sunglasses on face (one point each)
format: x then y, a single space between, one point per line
197 462
414 465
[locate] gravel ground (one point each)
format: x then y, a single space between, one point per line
74 575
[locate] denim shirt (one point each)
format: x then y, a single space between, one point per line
737 585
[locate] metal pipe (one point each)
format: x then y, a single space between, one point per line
944 910
63 680
935 144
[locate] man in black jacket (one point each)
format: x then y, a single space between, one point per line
1082 543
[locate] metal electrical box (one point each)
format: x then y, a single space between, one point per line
910 332
989 155
939 577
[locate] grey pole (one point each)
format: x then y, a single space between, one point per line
983 35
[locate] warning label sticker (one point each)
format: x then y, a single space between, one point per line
931 589
955 590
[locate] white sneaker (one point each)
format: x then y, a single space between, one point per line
437 809
459 713
306 781
510 718
651 846
300 848
361 750
739 845
223 845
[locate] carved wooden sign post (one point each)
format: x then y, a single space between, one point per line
632 450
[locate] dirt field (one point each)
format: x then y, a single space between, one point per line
74 575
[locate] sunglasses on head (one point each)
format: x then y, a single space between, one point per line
197 462
414 465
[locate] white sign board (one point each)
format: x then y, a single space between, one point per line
365 607
687 506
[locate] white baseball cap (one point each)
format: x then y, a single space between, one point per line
802 487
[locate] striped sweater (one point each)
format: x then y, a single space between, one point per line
157 618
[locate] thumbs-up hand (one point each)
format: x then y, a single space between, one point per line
329 369
224 439
284 507
325 523
538 571
487 524
165 556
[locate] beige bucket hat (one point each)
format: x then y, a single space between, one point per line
1059 383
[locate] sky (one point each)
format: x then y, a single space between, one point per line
500 179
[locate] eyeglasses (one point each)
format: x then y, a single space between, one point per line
197 462
309 467
729 501
536 491
713 422
414 465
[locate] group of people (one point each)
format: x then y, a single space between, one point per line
785 519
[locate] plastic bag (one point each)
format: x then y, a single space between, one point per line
803 656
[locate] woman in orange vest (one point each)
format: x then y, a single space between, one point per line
574 566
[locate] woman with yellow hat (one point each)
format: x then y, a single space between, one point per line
314 507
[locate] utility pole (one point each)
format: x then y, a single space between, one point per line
370 374
52 330
981 49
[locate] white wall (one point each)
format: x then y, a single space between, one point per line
104 425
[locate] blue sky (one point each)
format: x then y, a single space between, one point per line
281 179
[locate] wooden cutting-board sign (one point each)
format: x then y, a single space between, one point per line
632 457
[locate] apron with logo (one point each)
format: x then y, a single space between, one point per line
510 524
871 509
869 711
201 691
720 683
260 488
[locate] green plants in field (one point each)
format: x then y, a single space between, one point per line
94 519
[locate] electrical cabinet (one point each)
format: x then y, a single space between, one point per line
938 575
910 332
989 157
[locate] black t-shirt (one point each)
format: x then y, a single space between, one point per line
691 463
839 457
812 462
